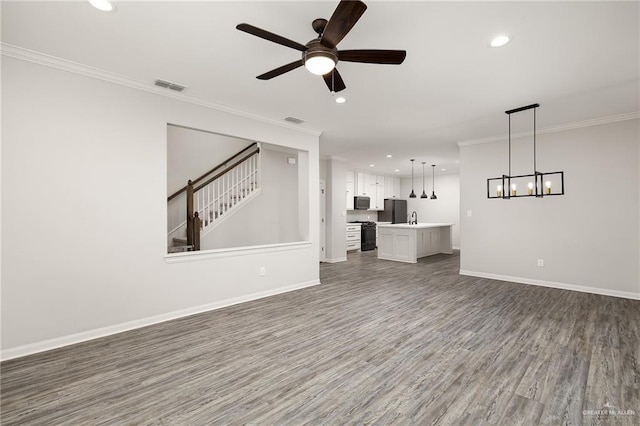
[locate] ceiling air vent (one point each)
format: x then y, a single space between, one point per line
294 120
168 85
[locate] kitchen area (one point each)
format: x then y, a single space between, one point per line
378 218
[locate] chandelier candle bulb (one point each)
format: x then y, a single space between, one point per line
530 185
548 185
499 191
513 190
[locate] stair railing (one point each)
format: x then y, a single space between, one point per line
222 165
221 193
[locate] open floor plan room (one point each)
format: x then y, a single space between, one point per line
379 342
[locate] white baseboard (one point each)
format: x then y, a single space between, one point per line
552 284
84 336
336 260
456 247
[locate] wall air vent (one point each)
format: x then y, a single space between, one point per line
294 120
168 85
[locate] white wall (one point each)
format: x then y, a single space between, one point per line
271 217
191 153
588 238
336 242
444 209
86 257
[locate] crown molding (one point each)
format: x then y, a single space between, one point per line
564 127
27 55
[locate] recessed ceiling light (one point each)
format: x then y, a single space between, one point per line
396 170
103 5
500 40
389 155
444 170
372 165
341 100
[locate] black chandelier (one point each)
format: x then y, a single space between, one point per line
538 184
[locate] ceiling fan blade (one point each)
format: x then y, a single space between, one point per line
280 70
258 32
334 81
372 56
343 19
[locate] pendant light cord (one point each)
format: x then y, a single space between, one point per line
433 182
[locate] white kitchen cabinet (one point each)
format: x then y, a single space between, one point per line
388 187
353 236
428 241
350 194
379 204
351 176
369 185
370 180
408 243
392 187
375 191
351 188
361 187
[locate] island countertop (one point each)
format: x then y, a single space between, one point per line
416 226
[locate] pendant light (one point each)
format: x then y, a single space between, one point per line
413 194
433 183
424 194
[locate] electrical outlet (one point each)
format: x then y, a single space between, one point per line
263 271
540 262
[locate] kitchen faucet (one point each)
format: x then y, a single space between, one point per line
414 221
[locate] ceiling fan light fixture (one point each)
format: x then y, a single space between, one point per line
319 63
103 5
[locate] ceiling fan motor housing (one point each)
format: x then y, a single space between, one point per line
315 48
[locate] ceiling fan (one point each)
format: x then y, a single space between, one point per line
321 55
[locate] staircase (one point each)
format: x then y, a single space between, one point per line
214 196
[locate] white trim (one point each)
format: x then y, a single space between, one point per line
87 71
336 260
551 284
455 247
561 128
192 256
84 336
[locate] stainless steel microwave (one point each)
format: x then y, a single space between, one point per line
361 202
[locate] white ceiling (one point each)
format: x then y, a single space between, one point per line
579 60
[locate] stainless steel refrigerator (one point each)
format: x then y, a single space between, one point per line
395 211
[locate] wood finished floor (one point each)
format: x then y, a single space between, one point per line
378 342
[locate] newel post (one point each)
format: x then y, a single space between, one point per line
190 213
197 225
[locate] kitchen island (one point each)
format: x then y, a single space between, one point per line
403 242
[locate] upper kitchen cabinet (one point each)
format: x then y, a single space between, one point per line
361 187
376 187
351 188
391 187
